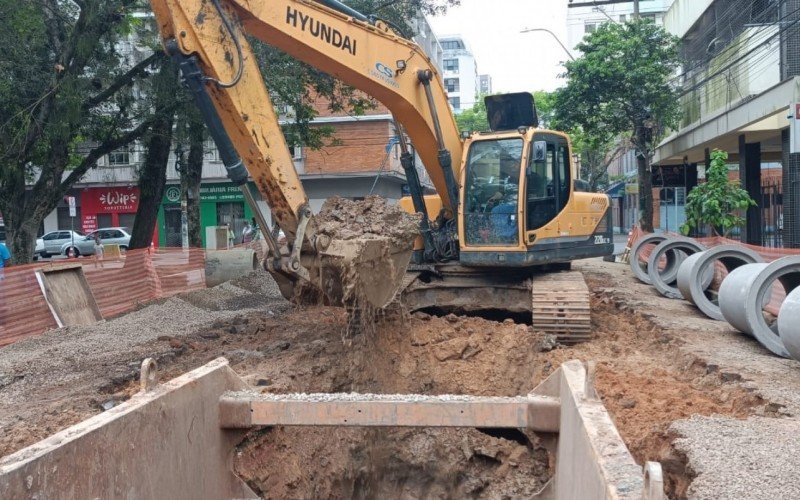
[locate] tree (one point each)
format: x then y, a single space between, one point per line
717 202
623 85
473 119
65 101
596 154
158 143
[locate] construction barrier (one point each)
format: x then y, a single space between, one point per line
118 285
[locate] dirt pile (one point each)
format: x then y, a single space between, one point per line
372 217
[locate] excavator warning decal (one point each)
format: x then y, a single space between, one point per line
320 30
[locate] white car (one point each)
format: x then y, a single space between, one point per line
108 236
51 243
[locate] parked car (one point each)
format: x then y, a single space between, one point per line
108 236
52 242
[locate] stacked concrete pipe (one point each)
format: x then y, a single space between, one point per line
675 246
789 323
744 292
669 272
696 273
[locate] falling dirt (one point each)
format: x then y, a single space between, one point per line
363 266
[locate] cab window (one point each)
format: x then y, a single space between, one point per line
547 180
491 197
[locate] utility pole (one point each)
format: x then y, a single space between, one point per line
636 9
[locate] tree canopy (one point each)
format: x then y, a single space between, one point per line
623 85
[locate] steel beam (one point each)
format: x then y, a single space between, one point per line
245 409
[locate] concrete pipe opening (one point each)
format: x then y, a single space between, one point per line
789 323
748 289
668 264
696 275
658 279
226 265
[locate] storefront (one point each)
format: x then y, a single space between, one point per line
220 203
108 207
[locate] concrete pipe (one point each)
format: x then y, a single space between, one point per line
670 270
666 287
225 265
789 323
745 291
697 272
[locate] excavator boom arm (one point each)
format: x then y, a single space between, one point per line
369 57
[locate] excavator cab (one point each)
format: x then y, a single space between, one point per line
519 205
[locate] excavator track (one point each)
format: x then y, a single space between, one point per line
558 301
560 306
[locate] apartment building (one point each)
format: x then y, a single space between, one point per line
460 72
741 72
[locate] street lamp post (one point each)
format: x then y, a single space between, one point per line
530 30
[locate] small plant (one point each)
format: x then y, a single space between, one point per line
717 202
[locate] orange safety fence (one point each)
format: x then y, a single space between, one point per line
767 253
118 286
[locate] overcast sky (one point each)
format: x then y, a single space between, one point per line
517 61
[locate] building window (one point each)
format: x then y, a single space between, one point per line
451 84
455 102
589 27
649 17
622 18
297 152
452 45
210 150
119 157
450 64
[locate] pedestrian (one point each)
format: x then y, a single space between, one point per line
256 233
231 236
98 249
247 233
5 259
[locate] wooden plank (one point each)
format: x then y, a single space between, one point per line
246 409
68 294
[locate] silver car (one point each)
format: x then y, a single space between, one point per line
52 242
108 236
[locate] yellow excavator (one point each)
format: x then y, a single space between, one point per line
508 213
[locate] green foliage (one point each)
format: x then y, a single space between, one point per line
623 80
717 202
473 119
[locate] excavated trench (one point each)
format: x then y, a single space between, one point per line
643 379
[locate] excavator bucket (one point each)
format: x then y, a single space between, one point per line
359 272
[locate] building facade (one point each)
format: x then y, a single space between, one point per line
460 72
585 19
741 72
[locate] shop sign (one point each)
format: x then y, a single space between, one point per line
173 194
89 223
632 188
221 192
110 200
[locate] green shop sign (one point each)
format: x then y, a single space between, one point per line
208 192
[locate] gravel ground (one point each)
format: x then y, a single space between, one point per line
70 363
756 458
